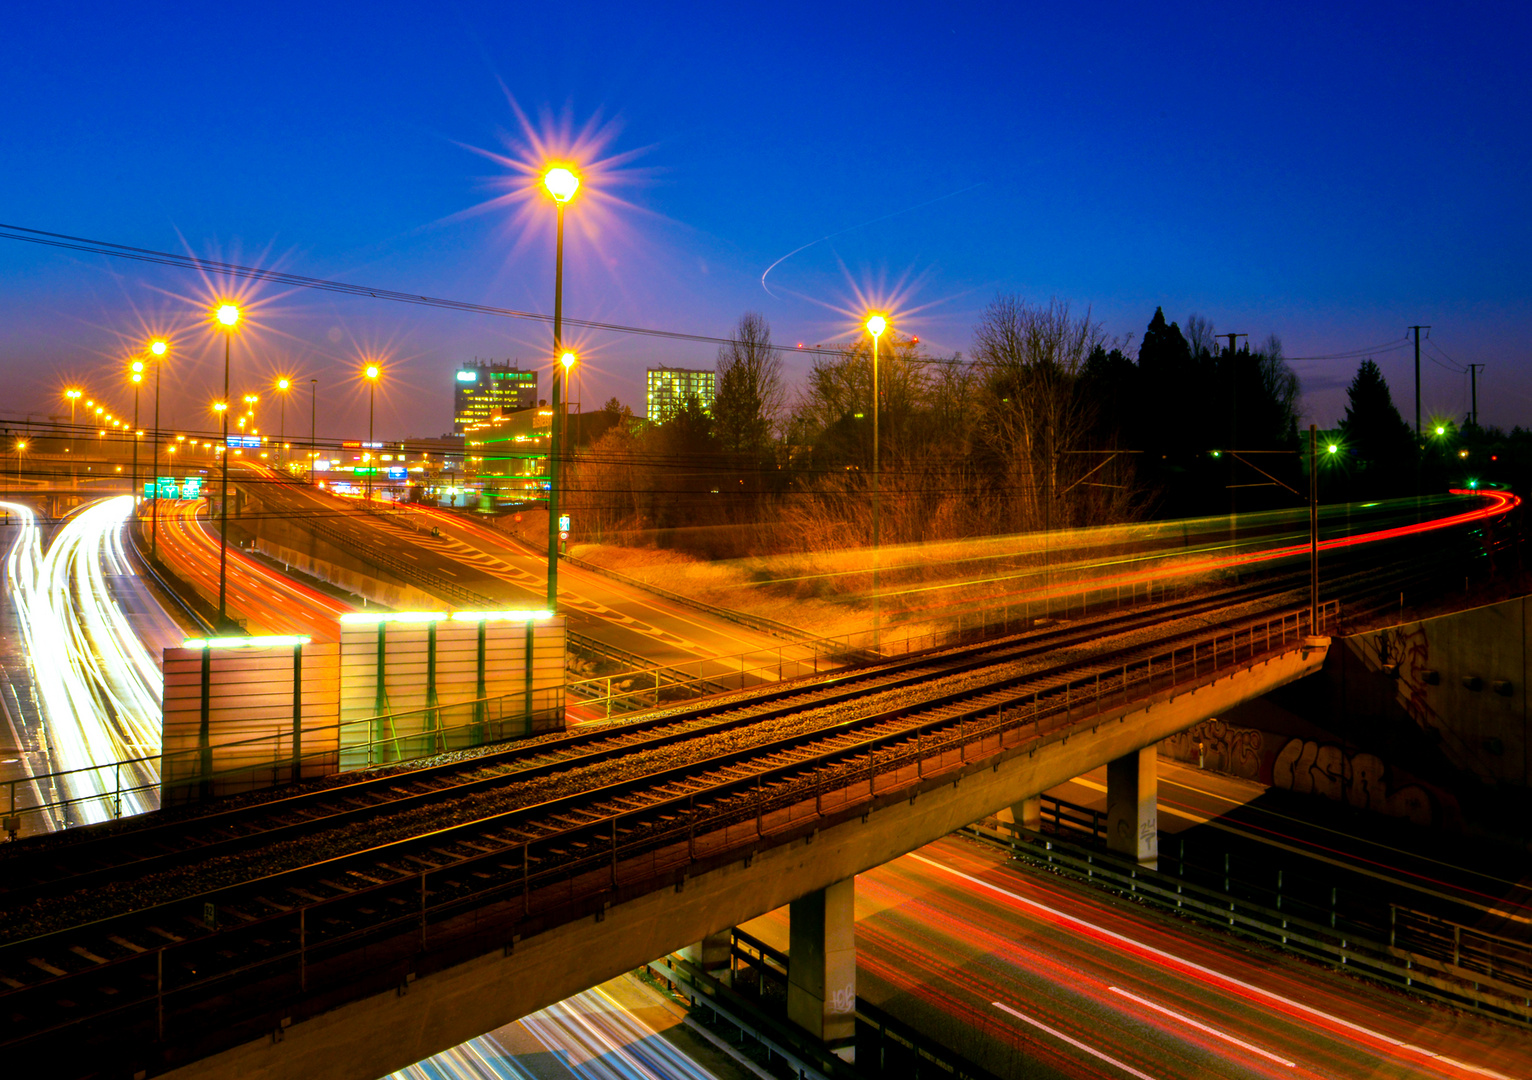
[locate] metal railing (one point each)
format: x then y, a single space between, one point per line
658 685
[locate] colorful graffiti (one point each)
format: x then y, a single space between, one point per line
1361 779
1221 747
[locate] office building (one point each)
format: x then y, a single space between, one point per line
483 390
668 388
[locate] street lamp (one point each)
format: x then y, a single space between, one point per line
372 372
137 375
561 184
21 447
313 418
283 385
158 349
876 324
227 318
74 397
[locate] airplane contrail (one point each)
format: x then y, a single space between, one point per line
853 228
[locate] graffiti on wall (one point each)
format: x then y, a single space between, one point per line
1221 747
1360 779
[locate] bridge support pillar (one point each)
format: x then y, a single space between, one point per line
713 954
1028 814
821 966
1132 807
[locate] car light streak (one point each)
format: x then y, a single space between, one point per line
1189 1022
1076 1043
593 1036
97 685
1318 1017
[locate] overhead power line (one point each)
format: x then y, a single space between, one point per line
255 273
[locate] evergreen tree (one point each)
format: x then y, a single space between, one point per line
1379 444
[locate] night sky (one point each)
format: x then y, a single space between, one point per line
1329 173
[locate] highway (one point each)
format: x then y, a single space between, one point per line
91 631
267 601
480 559
1030 975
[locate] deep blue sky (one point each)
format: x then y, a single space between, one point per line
1328 173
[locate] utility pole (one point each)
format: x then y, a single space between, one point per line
1313 529
1234 440
1417 330
1473 384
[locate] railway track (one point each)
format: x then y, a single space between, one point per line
151 843
154 844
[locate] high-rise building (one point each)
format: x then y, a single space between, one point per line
484 389
668 388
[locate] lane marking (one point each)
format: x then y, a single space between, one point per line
1076 1043
1191 965
1202 1027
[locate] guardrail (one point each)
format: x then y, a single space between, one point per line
1505 993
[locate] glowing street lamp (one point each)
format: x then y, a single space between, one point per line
283 385
226 317
136 374
561 184
159 348
74 398
372 372
21 447
876 325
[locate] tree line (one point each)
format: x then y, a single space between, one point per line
1045 423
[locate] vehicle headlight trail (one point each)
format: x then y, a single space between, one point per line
97 685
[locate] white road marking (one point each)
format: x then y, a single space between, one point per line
1187 1020
1076 1043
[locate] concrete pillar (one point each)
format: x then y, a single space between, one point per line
713 954
1132 810
821 966
1028 814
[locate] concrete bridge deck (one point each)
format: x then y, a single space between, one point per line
463 961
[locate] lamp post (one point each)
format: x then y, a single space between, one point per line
138 377
372 372
21 447
157 348
313 418
227 316
74 397
562 185
876 324
283 385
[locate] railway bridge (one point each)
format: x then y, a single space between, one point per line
355 965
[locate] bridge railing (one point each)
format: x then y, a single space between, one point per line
654 686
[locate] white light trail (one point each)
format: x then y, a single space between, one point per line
97 686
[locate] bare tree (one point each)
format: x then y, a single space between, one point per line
749 395
1199 335
1029 360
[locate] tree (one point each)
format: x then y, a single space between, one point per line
748 394
1378 441
1031 415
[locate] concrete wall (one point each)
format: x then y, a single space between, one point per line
367 1039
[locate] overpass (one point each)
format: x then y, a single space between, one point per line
374 960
